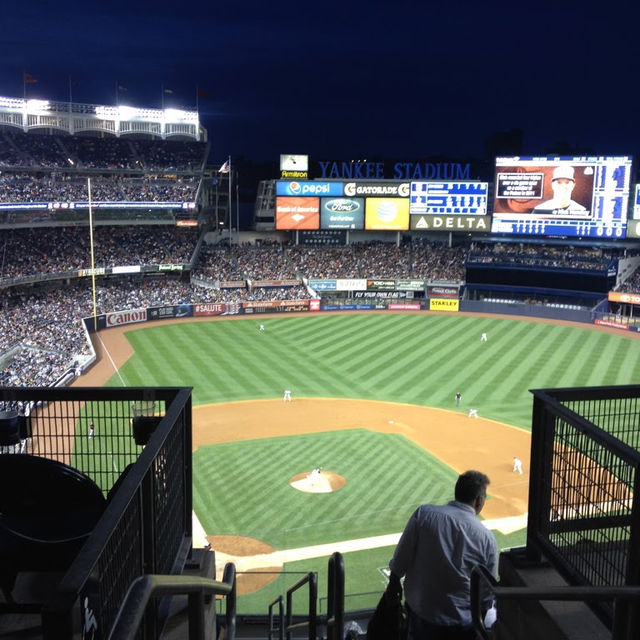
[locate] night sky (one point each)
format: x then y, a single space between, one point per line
349 80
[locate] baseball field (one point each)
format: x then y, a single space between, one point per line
373 408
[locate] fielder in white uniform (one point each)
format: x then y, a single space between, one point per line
473 412
287 395
517 465
483 337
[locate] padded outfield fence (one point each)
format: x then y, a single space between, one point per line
585 472
139 455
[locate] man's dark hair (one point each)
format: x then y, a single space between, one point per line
471 485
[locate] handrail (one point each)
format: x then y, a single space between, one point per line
312 580
335 597
148 586
621 596
280 602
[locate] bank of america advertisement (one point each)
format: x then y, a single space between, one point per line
342 213
387 214
297 213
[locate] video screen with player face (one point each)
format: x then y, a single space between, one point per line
583 196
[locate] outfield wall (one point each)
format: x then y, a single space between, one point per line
452 305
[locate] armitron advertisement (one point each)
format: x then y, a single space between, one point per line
297 213
387 214
439 304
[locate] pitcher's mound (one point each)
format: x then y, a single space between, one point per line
317 481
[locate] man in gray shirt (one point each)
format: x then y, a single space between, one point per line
436 552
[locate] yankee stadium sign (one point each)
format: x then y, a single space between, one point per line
364 170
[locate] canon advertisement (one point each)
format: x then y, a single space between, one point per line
118 318
582 196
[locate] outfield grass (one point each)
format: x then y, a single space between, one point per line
415 359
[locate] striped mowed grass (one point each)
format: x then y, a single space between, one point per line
416 359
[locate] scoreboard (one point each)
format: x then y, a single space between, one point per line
448 198
580 196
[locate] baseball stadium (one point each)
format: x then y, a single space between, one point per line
212 431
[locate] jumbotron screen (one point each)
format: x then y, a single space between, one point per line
583 196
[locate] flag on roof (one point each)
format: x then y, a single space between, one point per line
29 79
225 168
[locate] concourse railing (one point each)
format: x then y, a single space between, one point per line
144 588
624 599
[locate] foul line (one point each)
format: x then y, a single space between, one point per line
280 557
113 364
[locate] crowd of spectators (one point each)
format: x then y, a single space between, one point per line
631 284
363 260
38 150
21 188
30 252
41 327
571 257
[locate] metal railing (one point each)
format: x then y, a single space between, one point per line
585 471
334 619
335 597
624 599
279 602
146 527
311 621
146 587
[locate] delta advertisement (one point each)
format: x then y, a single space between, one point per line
481 224
297 213
387 214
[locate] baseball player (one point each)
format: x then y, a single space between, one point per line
313 476
91 430
473 412
287 395
261 327
483 337
458 398
517 465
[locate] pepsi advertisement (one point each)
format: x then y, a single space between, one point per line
308 188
